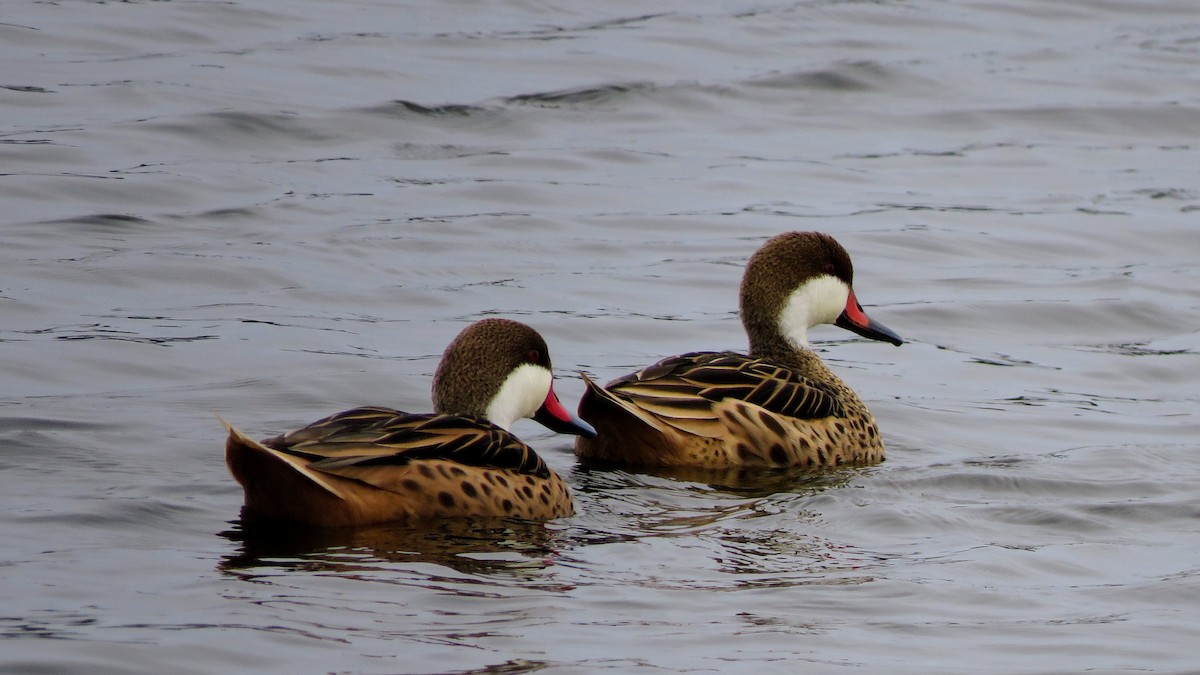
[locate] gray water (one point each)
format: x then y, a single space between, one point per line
274 211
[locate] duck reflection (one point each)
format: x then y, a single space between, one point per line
762 527
473 546
598 476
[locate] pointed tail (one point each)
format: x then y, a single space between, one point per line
263 471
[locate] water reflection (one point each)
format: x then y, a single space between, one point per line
469 546
510 667
722 529
752 523
749 484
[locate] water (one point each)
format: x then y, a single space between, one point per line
275 211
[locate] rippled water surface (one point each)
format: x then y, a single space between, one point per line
274 211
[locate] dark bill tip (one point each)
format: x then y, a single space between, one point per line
555 417
855 320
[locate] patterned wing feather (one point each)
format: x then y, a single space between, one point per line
375 437
681 390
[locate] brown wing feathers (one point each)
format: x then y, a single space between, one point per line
382 436
686 385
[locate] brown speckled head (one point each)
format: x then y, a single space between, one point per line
776 270
478 361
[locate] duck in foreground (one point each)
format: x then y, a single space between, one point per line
371 465
778 406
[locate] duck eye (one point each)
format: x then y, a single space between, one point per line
534 356
830 269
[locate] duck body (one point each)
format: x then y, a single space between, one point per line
377 464
722 410
778 406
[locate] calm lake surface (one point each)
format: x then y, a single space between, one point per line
274 211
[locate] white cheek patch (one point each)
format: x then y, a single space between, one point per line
523 392
819 300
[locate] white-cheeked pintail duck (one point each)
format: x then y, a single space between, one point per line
778 406
371 465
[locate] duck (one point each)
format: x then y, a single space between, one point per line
778 406
376 464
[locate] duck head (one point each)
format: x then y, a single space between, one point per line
798 280
499 369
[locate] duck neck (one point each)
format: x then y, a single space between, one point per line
776 348
780 332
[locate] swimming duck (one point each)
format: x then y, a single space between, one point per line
778 406
371 465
